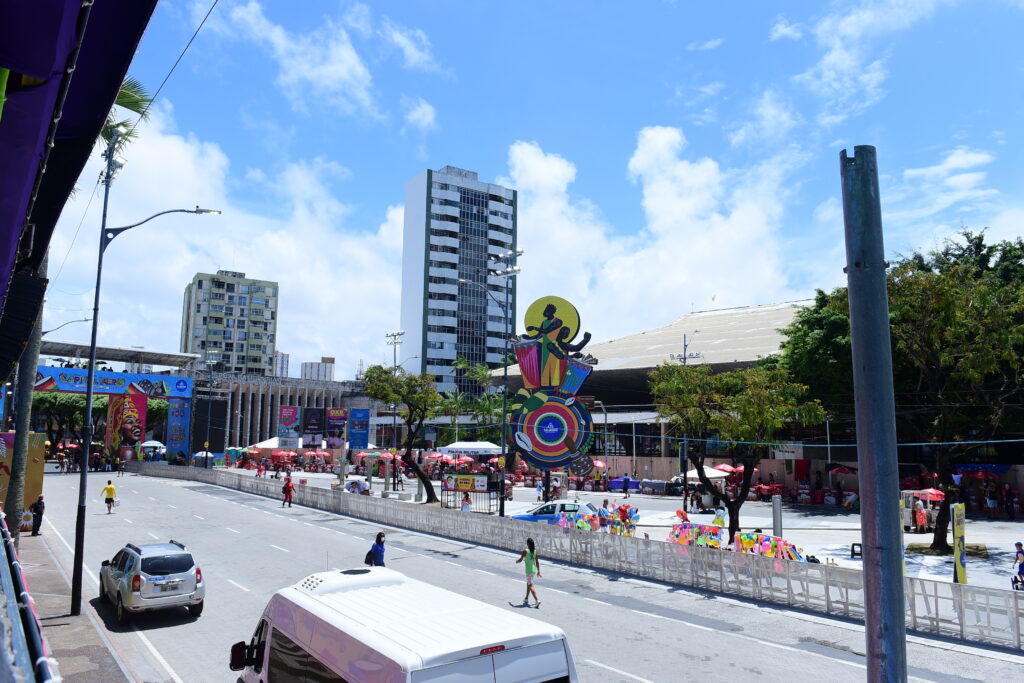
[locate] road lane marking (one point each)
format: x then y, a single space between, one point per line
129 521
482 571
156 655
455 563
284 550
151 497
134 491
618 671
232 530
198 517
239 586
308 524
600 602
555 590
153 536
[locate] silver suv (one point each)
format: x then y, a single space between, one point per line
151 577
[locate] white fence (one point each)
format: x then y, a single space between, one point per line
985 615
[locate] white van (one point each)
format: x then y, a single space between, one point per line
376 624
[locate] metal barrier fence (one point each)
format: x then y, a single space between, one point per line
26 656
969 613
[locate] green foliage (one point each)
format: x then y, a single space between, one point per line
132 96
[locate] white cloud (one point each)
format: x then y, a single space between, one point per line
360 18
699 46
414 44
335 296
829 212
420 114
710 237
784 30
846 77
772 122
315 68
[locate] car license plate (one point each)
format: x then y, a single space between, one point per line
166 588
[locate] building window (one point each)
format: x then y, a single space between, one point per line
199 284
228 334
199 308
231 286
218 296
243 300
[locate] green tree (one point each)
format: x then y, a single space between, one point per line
957 332
133 97
746 407
156 416
419 401
453 405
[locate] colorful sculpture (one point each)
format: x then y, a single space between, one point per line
548 426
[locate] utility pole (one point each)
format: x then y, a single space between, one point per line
394 340
875 409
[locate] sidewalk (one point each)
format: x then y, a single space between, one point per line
78 644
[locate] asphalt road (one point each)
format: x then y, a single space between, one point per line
620 628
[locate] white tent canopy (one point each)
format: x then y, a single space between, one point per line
710 472
152 444
470 448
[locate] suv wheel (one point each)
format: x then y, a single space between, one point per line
195 610
103 593
120 612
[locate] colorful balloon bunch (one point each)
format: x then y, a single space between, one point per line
624 521
577 521
701 535
768 546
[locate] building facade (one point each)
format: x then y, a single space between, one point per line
323 371
231 320
451 305
280 364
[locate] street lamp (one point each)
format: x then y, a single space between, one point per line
509 272
113 164
46 332
682 357
209 407
394 340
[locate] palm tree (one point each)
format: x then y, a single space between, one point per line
454 404
131 96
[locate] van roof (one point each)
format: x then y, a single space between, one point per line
413 623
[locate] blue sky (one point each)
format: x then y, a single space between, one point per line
670 156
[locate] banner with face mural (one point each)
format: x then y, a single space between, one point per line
178 414
337 421
548 425
126 425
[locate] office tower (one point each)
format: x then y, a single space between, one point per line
451 306
324 370
280 364
231 320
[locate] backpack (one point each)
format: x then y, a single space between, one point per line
368 560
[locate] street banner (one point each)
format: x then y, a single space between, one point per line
312 427
126 425
178 418
74 380
289 426
359 428
959 544
33 472
337 421
464 482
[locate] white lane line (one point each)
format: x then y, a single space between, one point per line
129 521
283 550
555 590
308 524
340 532
618 671
455 563
157 656
134 491
647 614
153 536
600 602
198 517
151 497
172 506
232 530
239 586
266 512
486 572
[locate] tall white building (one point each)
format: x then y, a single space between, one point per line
231 320
323 371
280 364
453 223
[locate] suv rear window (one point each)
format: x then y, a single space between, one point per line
162 565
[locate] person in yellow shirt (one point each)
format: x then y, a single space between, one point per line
109 494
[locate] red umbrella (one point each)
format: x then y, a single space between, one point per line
72 445
385 456
724 468
741 468
436 456
493 460
842 469
600 463
984 474
465 459
931 494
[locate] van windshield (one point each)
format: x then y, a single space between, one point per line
162 565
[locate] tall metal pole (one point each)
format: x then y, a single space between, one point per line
76 571
874 403
504 404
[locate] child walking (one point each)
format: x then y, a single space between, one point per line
529 556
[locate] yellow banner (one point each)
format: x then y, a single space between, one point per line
33 472
959 544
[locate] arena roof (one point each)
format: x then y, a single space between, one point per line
70 350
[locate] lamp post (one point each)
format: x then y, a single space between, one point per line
209 407
394 340
113 164
510 270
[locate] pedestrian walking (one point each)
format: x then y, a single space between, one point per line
625 485
259 471
532 566
109 494
467 504
287 490
1018 564
920 516
604 514
37 508
378 550
540 490
119 466
1009 502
